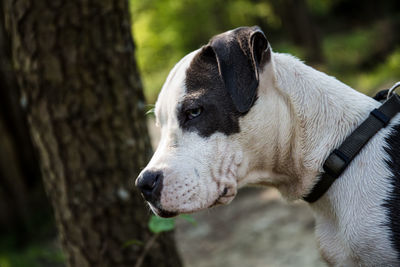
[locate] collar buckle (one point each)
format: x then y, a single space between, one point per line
336 163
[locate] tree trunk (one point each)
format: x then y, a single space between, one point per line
75 62
20 181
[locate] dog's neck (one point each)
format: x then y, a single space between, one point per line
322 112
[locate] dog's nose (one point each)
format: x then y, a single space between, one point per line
150 184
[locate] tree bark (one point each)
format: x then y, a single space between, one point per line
20 180
75 62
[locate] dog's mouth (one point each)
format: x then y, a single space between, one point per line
226 196
163 213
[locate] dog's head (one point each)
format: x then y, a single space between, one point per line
200 110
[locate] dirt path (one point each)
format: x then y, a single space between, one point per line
257 229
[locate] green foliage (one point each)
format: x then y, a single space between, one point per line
287 47
158 224
36 255
244 12
41 248
164 31
321 7
345 51
383 76
151 109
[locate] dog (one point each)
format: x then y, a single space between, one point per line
235 113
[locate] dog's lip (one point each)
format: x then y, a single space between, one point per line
219 202
222 199
163 213
166 214
222 196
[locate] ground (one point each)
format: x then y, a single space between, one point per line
258 229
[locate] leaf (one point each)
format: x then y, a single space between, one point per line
151 110
133 242
158 224
188 218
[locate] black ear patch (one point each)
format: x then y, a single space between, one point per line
206 89
222 80
240 54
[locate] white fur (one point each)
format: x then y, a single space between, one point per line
300 116
196 170
350 217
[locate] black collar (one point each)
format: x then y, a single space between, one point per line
341 157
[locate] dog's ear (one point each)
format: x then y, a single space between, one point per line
241 54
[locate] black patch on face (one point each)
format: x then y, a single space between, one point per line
392 204
222 80
206 89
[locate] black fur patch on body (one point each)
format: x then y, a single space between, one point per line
392 204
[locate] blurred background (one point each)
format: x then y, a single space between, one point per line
356 41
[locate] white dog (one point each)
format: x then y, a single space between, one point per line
234 113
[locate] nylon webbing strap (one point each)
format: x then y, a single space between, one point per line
341 157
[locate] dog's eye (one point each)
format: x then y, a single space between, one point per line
193 113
